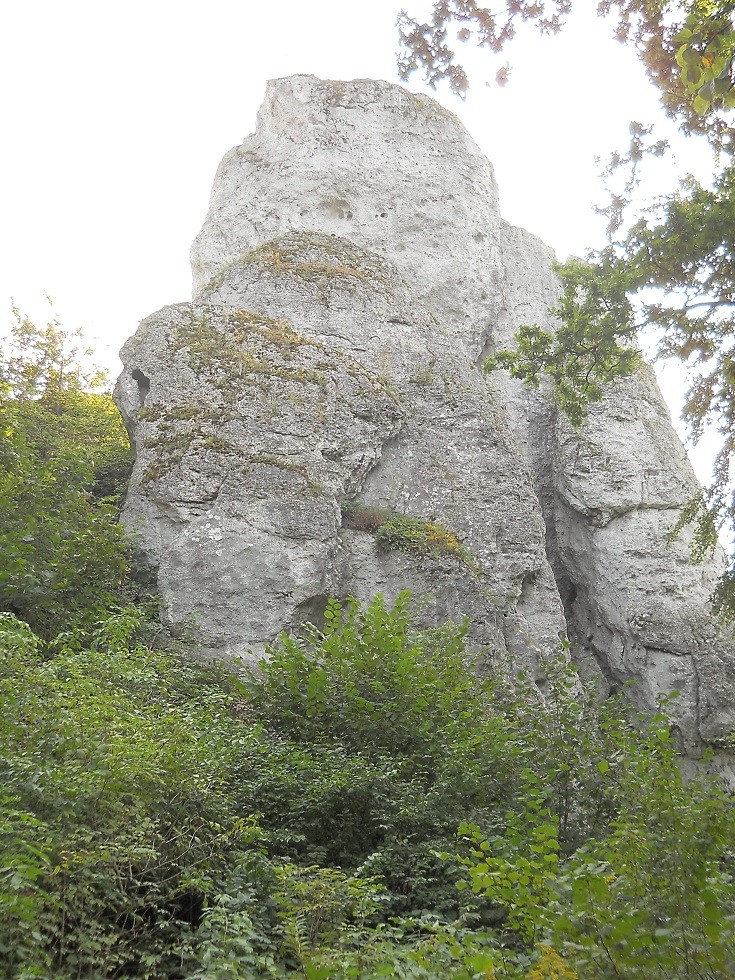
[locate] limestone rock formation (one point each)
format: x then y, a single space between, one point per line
314 422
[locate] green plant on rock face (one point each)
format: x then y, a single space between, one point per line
230 354
363 517
425 375
279 259
400 532
591 346
278 332
240 359
288 466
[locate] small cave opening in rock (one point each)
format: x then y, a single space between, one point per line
144 386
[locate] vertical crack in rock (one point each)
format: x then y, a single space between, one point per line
352 272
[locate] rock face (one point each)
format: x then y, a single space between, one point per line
314 422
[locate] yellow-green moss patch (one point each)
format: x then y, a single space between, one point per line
400 532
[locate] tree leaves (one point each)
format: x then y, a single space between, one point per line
425 45
592 345
64 460
705 52
688 50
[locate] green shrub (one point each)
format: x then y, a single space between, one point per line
400 745
365 806
117 825
652 894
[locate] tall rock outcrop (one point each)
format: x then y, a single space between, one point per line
314 422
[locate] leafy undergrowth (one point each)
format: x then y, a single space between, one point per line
366 806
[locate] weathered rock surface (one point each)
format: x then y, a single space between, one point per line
352 272
306 377
370 162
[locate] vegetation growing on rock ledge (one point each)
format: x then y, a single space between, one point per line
324 260
229 354
401 532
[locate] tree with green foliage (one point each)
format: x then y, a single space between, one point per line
593 344
670 277
64 460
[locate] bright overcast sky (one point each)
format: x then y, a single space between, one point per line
115 116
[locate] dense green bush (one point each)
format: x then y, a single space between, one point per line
652 897
401 746
149 814
364 807
116 805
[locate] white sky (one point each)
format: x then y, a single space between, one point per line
115 116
